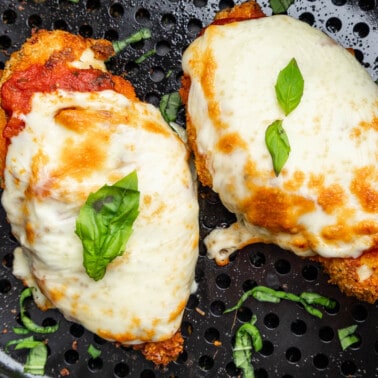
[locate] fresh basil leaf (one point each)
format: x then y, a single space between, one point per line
247 338
280 6
289 87
278 145
169 106
105 222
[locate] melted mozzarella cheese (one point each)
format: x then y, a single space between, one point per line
72 144
325 199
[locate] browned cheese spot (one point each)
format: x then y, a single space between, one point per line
363 187
331 198
230 142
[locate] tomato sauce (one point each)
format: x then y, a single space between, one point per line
16 93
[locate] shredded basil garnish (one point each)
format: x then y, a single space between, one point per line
347 336
266 294
37 356
36 359
105 222
140 35
93 351
280 6
26 321
247 339
20 330
144 56
169 106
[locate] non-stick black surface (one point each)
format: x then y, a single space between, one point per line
295 343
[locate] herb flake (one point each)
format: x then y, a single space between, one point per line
140 35
347 336
93 351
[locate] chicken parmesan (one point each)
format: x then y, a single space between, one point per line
323 203
70 128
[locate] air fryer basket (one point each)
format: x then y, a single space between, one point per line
295 343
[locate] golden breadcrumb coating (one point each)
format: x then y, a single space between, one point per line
346 274
163 352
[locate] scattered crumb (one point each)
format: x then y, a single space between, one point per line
64 372
217 343
74 345
201 312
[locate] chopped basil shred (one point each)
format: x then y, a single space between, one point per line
20 331
169 106
247 339
36 360
37 356
144 56
26 321
140 35
105 222
280 6
93 351
18 341
347 336
266 294
289 90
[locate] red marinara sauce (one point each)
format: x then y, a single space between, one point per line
16 92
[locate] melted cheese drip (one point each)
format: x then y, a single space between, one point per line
325 200
72 144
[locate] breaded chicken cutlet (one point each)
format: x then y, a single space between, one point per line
70 129
323 203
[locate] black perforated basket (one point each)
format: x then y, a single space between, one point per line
295 344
